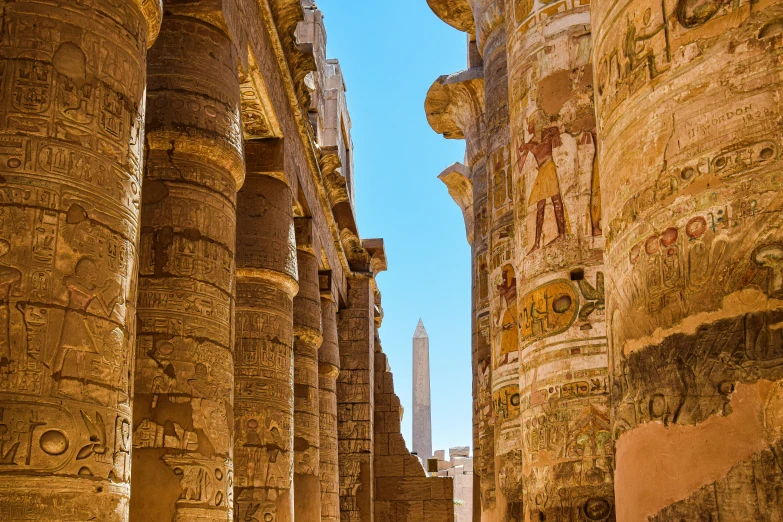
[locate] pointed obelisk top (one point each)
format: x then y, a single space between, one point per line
420 331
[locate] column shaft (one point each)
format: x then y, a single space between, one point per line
183 434
503 314
328 370
356 328
71 128
263 399
307 341
690 125
564 383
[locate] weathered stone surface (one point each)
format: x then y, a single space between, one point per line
307 340
184 376
328 370
263 357
71 127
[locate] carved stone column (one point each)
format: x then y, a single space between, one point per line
72 78
182 432
564 383
328 370
455 108
356 329
690 125
264 383
503 317
307 341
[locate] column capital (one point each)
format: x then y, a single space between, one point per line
457 13
457 179
455 107
153 13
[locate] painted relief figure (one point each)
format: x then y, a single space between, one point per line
507 315
9 276
546 184
77 342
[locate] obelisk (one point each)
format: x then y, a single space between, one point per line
422 407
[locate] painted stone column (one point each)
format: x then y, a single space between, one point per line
328 370
72 80
182 416
356 327
564 383
489 16
690 126
263 360
307 341
455 108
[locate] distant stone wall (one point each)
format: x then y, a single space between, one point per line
403 492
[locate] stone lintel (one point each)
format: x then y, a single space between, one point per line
457 179
457 13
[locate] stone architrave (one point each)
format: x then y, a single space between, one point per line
328 370
72 78
559 249
182 437
263 358
422 402
307 340
690 124
356 327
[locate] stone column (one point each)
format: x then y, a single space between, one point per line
503 317
72 77
307 340
356 328
182 433
690 125
455 108
328 370
564 383
263 359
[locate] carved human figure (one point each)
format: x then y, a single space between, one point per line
9 276
76 339
546 184
507 315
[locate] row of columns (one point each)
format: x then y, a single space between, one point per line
180 324
649 389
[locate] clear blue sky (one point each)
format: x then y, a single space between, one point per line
390 53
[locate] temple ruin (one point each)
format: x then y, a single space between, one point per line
621 190
189 316
189 322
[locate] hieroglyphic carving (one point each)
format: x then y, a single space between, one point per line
328 370
691 297
564 385
263 358
307 340
184 369
72 78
